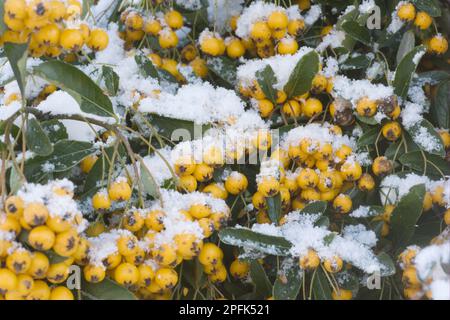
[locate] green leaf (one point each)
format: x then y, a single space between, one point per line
424 126
388 268
148 182
396 149
371 121
406 45
17 55
167 126
320 286
431 77
106 290
15 180
432 7
256 241
224 68
87 4
435 165
146 66
55 130
80 86
357 32
316 207
300 80
111 80
3 27
274 208
263 287
37 139
405 71
369 137
405 216
266 80
288 283
66 154
356 63
441 105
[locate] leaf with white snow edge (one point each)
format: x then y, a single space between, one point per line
405 70
405 216
300 80
425 135
243 237
406 45
266 80
76 83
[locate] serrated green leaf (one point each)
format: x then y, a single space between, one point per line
37 139
256 241
405 71
225 69
266 80
300 80
405 216
76 83
146 66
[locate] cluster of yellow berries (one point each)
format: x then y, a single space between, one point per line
47 25
267 37
145 259
323 172
30 272
407 12
211 258
416 288
119 190
194 176
412 285
304 105
311 261
138 24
